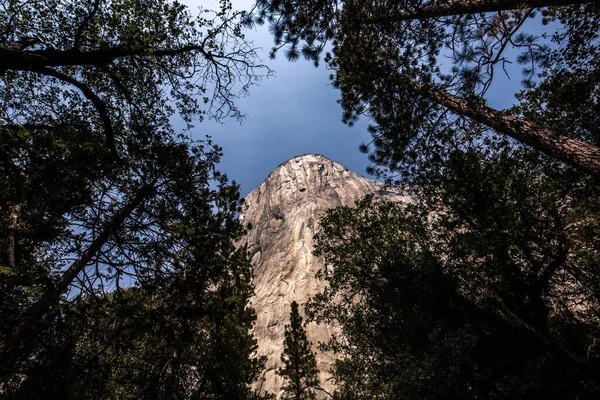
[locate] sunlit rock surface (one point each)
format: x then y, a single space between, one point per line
284 212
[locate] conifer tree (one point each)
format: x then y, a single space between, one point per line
300 366
387 55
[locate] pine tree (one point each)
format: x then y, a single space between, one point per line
300 366
386 55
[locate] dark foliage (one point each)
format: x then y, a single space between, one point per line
486 289
118 270
420 70
299 364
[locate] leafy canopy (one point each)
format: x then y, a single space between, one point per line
486 287
118 269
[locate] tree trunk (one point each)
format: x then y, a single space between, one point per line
11 239
583 156
32 319
15 213
462 7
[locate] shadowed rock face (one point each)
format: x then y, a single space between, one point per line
284 212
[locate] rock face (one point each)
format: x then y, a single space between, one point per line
284 212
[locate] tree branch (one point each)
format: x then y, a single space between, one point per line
81 28
462 7
34 318
93 97
580 155
18 60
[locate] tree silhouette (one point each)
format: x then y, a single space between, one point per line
300 366
386 55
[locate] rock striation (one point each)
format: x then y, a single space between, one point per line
284 213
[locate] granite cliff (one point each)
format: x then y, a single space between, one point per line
284 212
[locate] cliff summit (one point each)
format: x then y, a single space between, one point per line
284 213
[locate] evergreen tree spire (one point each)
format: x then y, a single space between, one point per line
300 366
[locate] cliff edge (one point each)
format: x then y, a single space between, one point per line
284 212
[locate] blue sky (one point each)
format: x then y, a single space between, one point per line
295 112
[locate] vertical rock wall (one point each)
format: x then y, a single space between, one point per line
284 212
